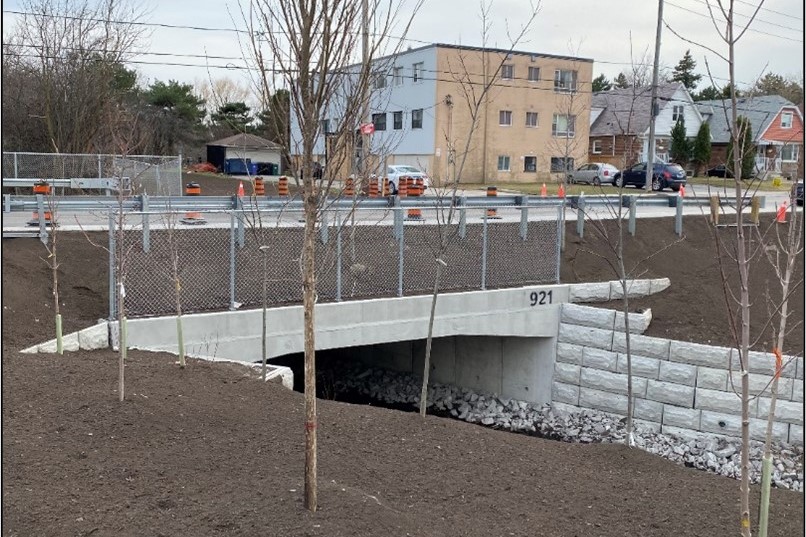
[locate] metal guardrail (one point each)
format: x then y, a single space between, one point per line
140 203
95 183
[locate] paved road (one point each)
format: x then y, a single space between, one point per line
75 221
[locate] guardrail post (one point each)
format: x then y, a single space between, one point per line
523 201
16 175
232 260
462 217
338 258
42 218
6 203
581 217
323 227
678 218
397 215
631 221
562 224
112 291
241 233
484 252
146 226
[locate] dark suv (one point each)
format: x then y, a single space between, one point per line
797 192
665 175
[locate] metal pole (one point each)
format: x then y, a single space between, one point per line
581 217
338 258
15 166
400 255
146 226
559 241
462 218
524 217
232 261
41 217
484 253
112 289
678 218
7 203
631 223
650 167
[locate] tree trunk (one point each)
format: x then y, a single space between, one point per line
263 329
180 338
429 340
309 302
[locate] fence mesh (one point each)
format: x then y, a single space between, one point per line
358 255
149 174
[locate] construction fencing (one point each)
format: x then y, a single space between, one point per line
149 174
361 254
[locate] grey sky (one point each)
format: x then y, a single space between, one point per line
599 29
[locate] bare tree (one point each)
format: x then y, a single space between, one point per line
475 93
312 46
50 217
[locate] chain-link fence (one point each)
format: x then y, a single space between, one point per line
149 174
360 254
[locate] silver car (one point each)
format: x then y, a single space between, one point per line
594 173
395 171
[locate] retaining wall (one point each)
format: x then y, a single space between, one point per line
679 387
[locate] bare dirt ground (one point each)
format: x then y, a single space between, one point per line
211 450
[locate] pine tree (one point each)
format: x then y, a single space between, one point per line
701 150
684 72
601 83
621 82
681 147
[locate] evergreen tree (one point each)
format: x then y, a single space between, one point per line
232 117
773 84
684 72
177 115
746 149
621 82
701 149
681 147
711 93
601 83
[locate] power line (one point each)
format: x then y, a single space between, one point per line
789 15
706 16
757 19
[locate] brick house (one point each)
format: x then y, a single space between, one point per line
777 127
619 133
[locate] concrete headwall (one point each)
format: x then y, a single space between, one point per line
679 387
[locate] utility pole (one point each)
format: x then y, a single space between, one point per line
650 165
363 168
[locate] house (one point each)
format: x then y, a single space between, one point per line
246 148
619 131
527 125
777 127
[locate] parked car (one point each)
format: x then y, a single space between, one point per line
718 171
594 173
797 192
395 171
663 176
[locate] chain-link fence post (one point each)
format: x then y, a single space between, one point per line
232 260
559 242
112 295
42 218
462 217
16 174
400 250
146 223
338 257
581 217
484 251
523 201
631 223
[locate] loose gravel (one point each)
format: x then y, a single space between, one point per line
717 454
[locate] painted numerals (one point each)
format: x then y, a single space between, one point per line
540 298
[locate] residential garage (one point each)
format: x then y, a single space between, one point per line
246 147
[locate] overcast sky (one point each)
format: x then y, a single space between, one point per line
599 29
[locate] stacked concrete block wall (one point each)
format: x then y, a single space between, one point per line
678 387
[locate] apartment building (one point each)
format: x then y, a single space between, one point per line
533 121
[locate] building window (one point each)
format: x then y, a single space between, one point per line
397 120
563 125
596 147
380 81
531 119
379 120
789 153
417 72
677 113
565 81
530 164
505 118
508 71
534 74
417 119
562 164
503 163
398 76
786 120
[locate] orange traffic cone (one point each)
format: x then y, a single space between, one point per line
780 216
543 192
682 191
240 189
561 191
